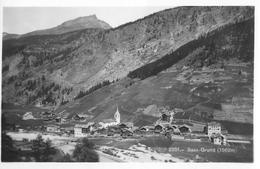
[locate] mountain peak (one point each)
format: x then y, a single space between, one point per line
82 20
79 23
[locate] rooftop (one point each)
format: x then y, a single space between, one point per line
214 124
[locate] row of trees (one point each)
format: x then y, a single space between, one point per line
94 88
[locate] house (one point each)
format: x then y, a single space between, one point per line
82 117
76 117
68 130
28 116
184 129
146 128
46 114
126 133
111 122
158 128
97 126
126 125
101 131
83 130
172 129
53 129
213 128
60 120
218 139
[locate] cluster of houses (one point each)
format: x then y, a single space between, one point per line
172 123
48 116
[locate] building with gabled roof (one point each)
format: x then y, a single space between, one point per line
218 139
83 130
111 122
53 128
213 128
28 116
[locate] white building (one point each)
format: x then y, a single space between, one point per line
214 128
28 116
83 130
53 129
111 122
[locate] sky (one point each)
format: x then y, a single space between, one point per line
20 20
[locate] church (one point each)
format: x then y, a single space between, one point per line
111 122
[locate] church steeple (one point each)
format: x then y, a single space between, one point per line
117 115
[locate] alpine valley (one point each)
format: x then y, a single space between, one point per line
199 59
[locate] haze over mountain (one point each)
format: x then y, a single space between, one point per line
80 23
51 67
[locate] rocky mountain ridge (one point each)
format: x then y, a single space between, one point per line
79 60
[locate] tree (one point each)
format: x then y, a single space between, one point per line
66 158
4 124
84 152
42 150
9 152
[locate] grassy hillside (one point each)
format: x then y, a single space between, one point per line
213 89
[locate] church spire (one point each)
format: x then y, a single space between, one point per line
117 115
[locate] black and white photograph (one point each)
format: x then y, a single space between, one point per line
168 84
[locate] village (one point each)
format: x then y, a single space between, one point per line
173 124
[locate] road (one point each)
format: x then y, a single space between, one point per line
107 158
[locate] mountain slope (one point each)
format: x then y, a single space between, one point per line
79 60
73 25
222 88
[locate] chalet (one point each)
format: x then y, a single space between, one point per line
115 129
53 129
126 133
46 114
79 117
184 129
28 116
218 139
172 129
178 110
65 115
97 126
195 121
158 128
111 122
101 131
82 117
213 128
138 131
68 130
60 120
146 128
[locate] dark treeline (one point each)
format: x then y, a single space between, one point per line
239 37
94 88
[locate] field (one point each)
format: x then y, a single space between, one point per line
186 150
